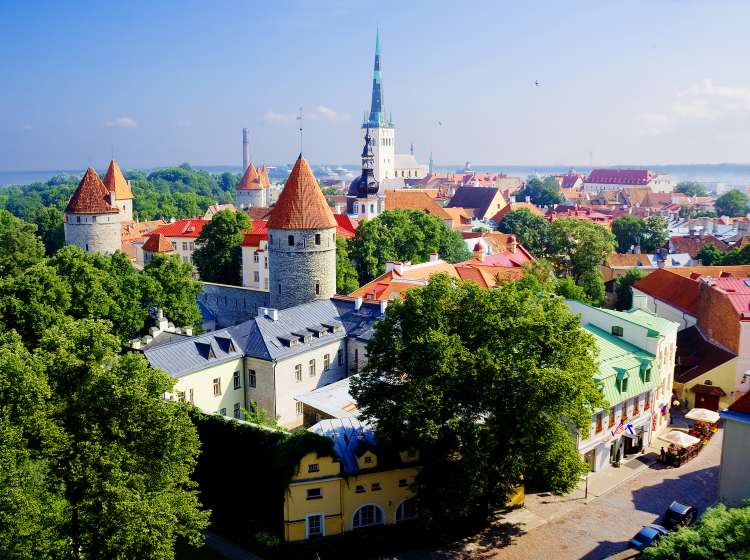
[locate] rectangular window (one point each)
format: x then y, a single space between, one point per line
611 417
298 408
256 276
326 362
317 239
360 489
290 240
255 257
192 246
184 246
192 399
314 494
298 372
624 384
313 467
402 483
237 411
236 380
368 460
217 386
279 288
223 411
311 368
647 401
317 288
181 396
265 262
599 422
174 245
617 330
314 526
251 378
341 357
375 486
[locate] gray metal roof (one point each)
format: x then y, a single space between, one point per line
333 399
186 356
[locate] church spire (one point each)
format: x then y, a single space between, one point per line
377 112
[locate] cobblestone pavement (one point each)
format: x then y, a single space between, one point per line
567 528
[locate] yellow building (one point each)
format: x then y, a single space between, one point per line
357 488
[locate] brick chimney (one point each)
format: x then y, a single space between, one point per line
512 244
478 251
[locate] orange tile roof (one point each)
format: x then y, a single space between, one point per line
513 206
693 245
627 259
90 197
674 289
158 243
263 174
183 228
115 182
738 271
250 180
414 199
301 204
136 230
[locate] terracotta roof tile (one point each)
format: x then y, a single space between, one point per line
91 196
414 199
158 243
183 228
301 204
250 180
673 289
115 182
693 245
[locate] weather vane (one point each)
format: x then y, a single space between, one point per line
299 118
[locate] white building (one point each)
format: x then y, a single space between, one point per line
616 179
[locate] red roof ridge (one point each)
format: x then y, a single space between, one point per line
301 204
91 196
251 180
158 243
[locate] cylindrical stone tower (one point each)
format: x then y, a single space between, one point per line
116 183
301 242
92 221
250 192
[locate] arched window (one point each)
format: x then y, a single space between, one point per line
406 510
368 516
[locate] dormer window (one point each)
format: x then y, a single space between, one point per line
617 330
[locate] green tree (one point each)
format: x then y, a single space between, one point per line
178 293
404 235
691 188
49 224
710 255
733 203
576 248
623 288
541 192
627 231
721 534
654 234
346 274
218 253
20 247
440 380
530 230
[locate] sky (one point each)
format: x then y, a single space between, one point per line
159 83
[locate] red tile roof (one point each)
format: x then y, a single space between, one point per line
301 204
158 243
345 226
250 180
183 228
673 289
619 176
115 182
91 196
742 404
693 245
264 179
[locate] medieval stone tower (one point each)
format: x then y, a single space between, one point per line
92 217
252 190
116 183
301 242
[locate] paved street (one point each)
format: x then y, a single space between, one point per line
568 528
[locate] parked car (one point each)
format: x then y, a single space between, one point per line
679 515
648 536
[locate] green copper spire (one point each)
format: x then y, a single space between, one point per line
377 113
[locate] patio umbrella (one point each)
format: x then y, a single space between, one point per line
703 415
680 439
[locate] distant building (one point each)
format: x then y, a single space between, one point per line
615 179
156 243
253 188
482 202
183 234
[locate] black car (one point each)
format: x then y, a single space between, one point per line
679 515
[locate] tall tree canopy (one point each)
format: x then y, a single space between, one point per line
96 463
346 274
218 253
486 385
691 188
19 245
624 288
650 233
542 192
530 230
178 292
721 534
733 203
403 235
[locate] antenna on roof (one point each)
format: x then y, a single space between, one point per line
299 118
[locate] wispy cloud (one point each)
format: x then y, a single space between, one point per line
320 113
121 122
704 101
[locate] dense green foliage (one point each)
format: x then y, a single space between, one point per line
710 255
530 230
402 235
20 248
733 203
178 292
485 384
346 274
721 534
542 192
649 233
691 188
623 288
96 464
218 253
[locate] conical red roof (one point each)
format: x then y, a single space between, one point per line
250 180
91 196
115 182
158 243
263 173
301 204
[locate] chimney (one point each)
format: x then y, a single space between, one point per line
245 149
512 243
161 320
528 199
478 251
272 314
187 330
434 257
661 263
357 303
338 208
135 344
383 306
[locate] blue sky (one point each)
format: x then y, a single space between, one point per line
660 81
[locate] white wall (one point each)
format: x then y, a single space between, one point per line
684 320
184 246
250 267
734 482
201 382
384 150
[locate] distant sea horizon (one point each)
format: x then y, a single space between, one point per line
733 174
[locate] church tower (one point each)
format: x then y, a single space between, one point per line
301 242
381 129
364 198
